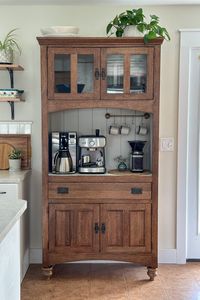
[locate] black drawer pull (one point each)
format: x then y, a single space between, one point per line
96 228
136 191
62 190
2 193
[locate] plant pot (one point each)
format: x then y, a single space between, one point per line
132 30
14 165
6 56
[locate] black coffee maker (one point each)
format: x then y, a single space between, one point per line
137 155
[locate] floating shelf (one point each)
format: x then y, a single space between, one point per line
11 100
5 67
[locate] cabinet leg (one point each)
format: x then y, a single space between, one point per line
47 271
152 273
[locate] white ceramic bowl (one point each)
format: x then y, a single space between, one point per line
60 30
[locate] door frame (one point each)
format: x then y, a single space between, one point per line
189 39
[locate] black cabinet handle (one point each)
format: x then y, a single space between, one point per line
2 193
103 228
96 228
136 191
97 74
103 74
62 190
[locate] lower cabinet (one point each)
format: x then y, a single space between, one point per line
107 228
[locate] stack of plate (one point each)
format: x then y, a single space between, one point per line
60 31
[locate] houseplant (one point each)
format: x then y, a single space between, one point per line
136 18
15 160
8 46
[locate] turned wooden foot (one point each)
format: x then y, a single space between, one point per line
47 271
152 273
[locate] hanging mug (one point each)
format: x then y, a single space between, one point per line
125 130
142 130
114 130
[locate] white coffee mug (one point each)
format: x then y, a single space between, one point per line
125 130
114 130
142 130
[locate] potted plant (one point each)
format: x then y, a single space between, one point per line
15 160
136 19
8 46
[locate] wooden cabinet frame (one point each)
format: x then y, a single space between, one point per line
143 208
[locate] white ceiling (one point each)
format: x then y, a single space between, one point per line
91 2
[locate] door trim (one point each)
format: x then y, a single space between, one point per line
188 39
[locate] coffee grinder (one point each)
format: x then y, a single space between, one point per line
92 153
137 155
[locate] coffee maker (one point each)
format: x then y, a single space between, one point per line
92 153
137 155
62 152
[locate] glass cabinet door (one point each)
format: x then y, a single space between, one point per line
127 73
74 73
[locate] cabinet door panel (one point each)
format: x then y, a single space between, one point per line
128 228
73 73
72 228
127 73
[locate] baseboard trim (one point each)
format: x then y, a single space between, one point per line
166 256
35 255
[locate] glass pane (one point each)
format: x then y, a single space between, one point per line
138 73
62 73
115 74
85 82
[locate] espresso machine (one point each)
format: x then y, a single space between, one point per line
92 154
137 155
62 152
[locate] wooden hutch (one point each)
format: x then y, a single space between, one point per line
99 216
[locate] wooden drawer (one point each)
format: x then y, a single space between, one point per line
100 190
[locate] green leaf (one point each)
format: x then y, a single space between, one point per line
108 28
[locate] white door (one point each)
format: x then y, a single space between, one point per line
193 190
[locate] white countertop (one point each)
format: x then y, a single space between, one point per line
13 177
10 212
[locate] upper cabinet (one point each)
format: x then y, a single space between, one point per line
101 73
73 73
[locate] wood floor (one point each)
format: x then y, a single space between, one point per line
113 282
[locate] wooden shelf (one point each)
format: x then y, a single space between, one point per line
11 99
5 67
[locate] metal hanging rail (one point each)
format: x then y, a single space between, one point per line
145 115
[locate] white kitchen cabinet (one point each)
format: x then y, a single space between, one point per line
13 186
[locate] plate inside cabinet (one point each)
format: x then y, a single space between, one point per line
5 150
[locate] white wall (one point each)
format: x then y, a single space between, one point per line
92 21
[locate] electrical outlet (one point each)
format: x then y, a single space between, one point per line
167 144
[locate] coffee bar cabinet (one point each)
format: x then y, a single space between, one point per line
112 216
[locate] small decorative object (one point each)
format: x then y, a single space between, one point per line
8 47
121 163
136 19
15 160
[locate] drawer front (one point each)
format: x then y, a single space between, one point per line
100 190
8 192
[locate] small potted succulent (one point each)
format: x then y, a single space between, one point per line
8 47
125 24
15 160
122 166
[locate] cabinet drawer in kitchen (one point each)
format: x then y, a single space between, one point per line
8 191
100 190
